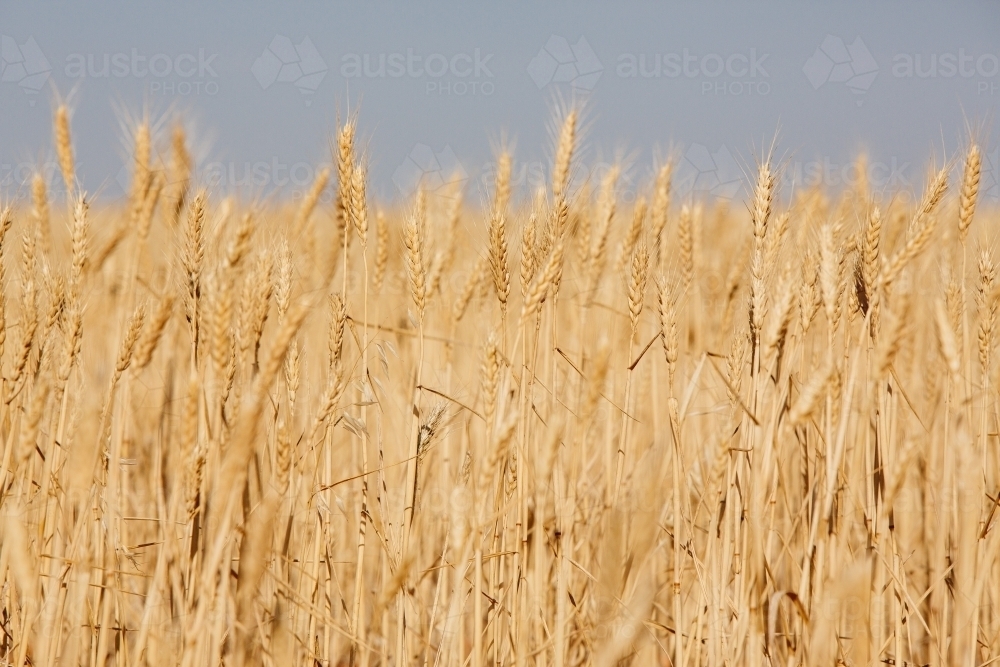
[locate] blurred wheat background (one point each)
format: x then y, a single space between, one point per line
553 430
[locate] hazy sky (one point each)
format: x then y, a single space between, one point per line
439 86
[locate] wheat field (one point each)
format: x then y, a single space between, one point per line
554 430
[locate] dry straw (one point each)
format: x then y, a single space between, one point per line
225 441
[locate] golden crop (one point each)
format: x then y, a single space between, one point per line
560 432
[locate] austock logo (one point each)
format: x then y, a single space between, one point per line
559 62
260 176
284 62
445 74
945 65
188 73
853 64
733 74
704 173
836 62
23 64
432 171
886 179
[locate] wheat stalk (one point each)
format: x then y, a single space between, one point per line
556 496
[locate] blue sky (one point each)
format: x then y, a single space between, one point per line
439 86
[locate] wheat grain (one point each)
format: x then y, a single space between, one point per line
986 304
469 289
142 176
528 259
153 334
381 250
191 258
338 318
312 197
870 253
811 394
563 161
64 148
344 156
760 210
685 246
490 379
637 284
946 338
970 190
40 199
595 258
660 209
922 227
413 232
498 257
501 193
633 234
668 325
28 327
542 285
178 176
830 263
359 202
